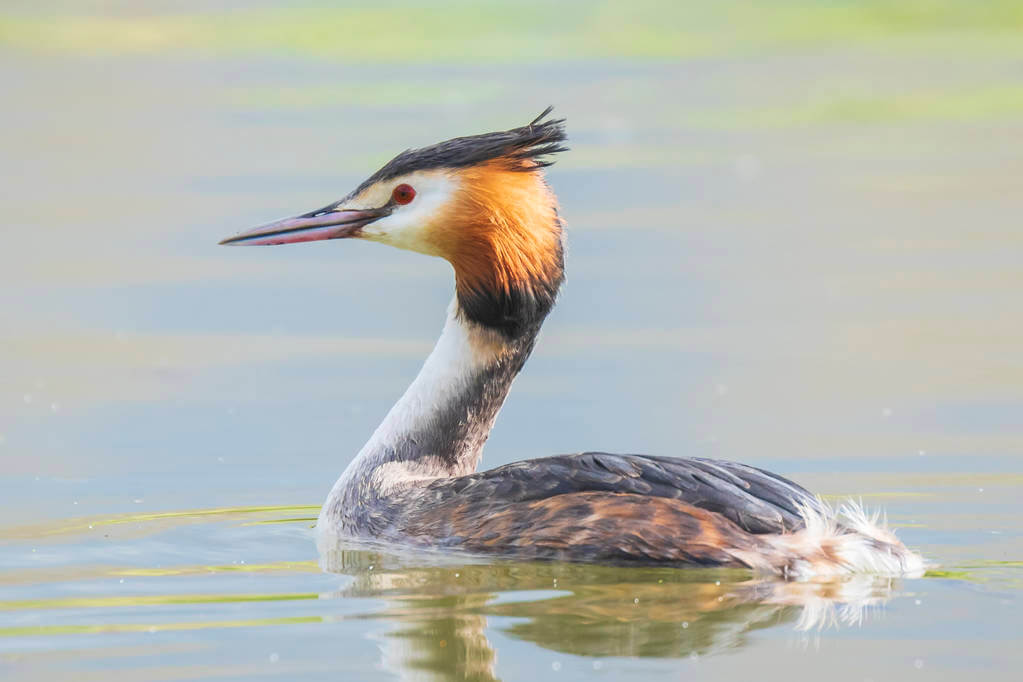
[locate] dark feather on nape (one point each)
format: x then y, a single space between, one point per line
534 142
518 311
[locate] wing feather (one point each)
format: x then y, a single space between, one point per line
755 500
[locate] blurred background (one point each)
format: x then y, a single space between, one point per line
795 235
795 240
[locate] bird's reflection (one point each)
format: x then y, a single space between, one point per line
441 606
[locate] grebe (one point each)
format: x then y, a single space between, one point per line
482 203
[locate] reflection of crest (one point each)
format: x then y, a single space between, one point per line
583 609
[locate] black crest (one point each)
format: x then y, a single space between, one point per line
535 142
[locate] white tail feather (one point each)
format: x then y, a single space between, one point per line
841 542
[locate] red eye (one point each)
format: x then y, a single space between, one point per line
403 194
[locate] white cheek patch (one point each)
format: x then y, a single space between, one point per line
406 227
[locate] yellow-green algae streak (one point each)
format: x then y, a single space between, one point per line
530 31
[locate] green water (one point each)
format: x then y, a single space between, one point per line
795 240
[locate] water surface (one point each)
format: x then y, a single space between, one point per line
794 241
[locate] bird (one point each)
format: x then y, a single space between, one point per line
482 202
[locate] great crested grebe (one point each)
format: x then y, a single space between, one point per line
481 203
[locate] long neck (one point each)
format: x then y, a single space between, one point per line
439 427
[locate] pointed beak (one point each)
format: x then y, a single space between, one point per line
326 223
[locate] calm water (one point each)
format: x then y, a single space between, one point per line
795 243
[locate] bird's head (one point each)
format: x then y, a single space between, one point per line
480 202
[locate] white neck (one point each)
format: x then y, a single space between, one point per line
446 379
439 426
